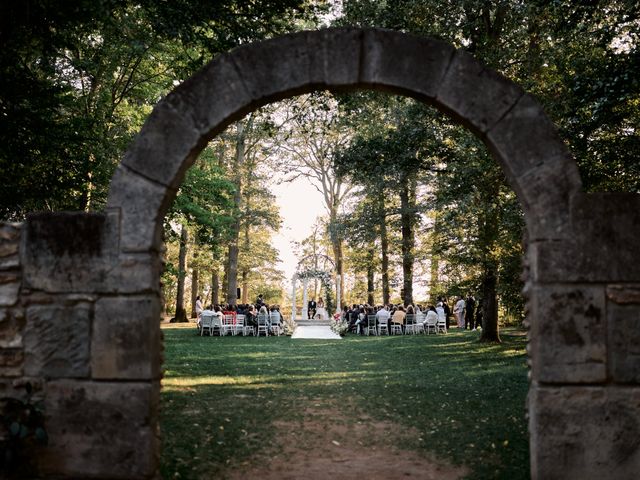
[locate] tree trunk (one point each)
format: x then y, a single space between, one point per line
245 269
370 277
336 244
245 286
181 314
384 246
407 215
215 286
194 291
232 271
490 331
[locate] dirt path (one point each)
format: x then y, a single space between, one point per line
326 445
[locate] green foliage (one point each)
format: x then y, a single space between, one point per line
469 409
77 79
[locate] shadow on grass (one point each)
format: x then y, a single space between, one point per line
221 395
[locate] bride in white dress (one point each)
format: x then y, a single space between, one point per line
321 313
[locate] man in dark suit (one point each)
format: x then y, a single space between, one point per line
311 308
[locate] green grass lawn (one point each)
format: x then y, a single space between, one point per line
221 395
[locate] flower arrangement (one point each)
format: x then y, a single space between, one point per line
339 326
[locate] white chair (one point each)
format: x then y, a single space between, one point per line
419 328
276 325
410 326
396 329
372 325
441 324
206 323
263 324
430 323
239 326
383 326
228 325
217 324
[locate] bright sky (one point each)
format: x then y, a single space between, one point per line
300 204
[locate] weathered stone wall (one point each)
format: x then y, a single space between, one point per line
584 315
80 322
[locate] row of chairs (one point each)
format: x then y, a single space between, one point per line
414 324
236 324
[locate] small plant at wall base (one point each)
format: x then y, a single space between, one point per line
22 430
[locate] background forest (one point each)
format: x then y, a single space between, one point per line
415 205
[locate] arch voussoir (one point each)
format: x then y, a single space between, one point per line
403 63
475 95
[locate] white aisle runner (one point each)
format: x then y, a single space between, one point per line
315 331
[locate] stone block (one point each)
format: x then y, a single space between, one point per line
623 323
537 164
11 326
277 68
527 139
588 433
136 273
604 229
100 430
141 205
9 288
609 223
476 95
11 362
165 147
335 57
213 97
406 63
568 334
57 339
68 252
126 338
546 197
9 243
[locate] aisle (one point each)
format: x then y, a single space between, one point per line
314 329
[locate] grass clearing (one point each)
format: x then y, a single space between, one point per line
225 400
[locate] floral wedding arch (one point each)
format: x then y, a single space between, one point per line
305 271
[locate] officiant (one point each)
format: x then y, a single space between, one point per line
311 308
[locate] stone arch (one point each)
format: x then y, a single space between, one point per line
512 124
97 275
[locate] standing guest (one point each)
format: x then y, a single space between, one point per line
470 307
259 301
478 316
447 311
311 308
440 312
458 310
361 322
199 309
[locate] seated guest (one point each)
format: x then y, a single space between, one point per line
431 317
206 311
398 316
361 321
382 313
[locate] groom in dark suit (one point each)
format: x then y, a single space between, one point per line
311 308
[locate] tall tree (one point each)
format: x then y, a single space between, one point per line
312 136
